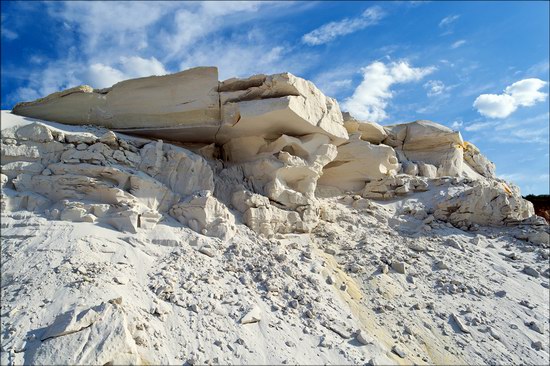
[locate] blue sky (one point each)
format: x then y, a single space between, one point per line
479 67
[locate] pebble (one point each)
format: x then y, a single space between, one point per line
330 251
494 334
253 316
500 293
441 265
330 280
121 280
417 247
363 338
399 351
535 326
398 267
460 324
530 271
537 345
207 250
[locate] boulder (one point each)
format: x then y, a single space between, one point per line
486 203
191 106
206 215
369 131
358 161
478 162
269 106
430 143
187 99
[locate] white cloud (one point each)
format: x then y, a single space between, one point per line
371 97
495 105
523 93
458 43
102 76
136 66
179 34
478 126
333 30
526 92
447 21
434 87
457 124
335 81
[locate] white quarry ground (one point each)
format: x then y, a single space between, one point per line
324 240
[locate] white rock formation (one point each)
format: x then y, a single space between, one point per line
359 161
264 228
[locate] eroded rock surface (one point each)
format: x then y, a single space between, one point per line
252 218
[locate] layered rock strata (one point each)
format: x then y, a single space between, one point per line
266 147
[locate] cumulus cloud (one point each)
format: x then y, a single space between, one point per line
523 93
333 30
373 94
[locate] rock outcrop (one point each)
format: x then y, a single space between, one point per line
271 136
247 219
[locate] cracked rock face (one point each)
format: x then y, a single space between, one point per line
244 220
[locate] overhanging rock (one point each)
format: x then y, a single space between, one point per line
193 106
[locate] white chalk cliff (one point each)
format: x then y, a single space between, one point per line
179 219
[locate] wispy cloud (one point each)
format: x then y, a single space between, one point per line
434 87
448 20
457 124
447 24
147 38
458 43
6 32
330 31
523 93
336 81
371 97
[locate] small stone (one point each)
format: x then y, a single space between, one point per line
81 147
537 345
363 338
417 247
399 351
441 265
252 316
121 280
535 326
207 250
463 328
290 344
455 244
494 334
398 267
330 251
330 280
293 304
116 300
530 271
500 293
194 308
384 269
